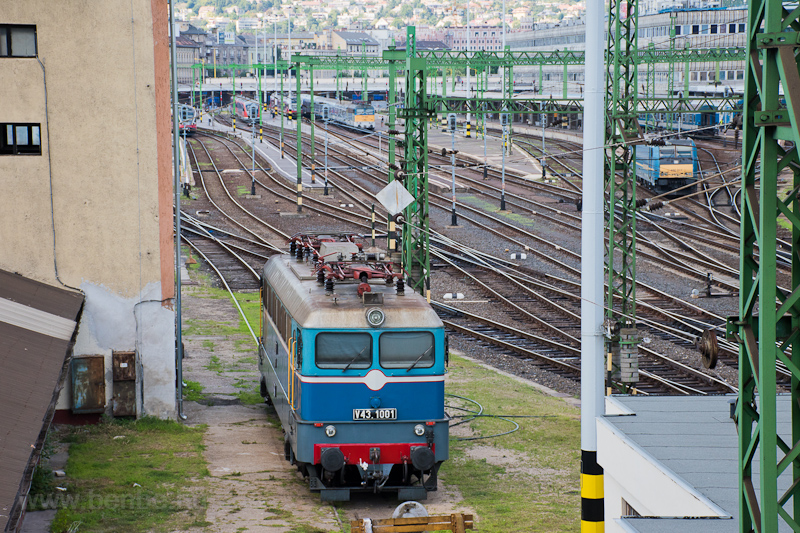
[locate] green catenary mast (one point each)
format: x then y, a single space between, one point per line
768 326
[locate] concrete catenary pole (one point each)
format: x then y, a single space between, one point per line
592 288
469 117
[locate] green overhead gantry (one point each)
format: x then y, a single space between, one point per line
768 325
553 104
482 59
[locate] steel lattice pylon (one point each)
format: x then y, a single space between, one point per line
417 111
768 326
622 128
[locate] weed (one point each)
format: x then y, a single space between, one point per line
193 391
42 482
250 397
209 345
214 364
304 528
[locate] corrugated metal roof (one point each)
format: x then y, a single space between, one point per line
352 37
37 323
696 439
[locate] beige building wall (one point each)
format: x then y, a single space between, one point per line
94 211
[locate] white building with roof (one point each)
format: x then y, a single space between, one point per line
671 464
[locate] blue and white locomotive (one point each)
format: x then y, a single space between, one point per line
667 167
355 373
353 114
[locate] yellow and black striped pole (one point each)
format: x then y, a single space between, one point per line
592 276
469 127
592 502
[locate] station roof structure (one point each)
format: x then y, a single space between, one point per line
693 441
37 326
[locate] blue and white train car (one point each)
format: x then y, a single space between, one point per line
668 167
358 387
353 114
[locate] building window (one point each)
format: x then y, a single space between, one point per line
695 29
16 139
17 41
741 28
628 510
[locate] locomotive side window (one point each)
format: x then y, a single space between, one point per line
406 349
298 335
343 350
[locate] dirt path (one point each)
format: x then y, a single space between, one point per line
251 485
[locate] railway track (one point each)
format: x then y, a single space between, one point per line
364 186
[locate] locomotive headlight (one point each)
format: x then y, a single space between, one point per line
375 317
419 430
330 431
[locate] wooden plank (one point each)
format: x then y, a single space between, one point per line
457 522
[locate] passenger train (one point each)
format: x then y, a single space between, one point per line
187 120
352 114
354 367
246 109
668 167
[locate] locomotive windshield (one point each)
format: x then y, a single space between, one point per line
343 350
406 349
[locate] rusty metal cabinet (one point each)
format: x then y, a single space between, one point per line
124 370
88 384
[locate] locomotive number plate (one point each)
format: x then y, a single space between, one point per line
375 414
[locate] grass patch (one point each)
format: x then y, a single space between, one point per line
482 203
249 397
215 365
246 346
209 345
249 303
143 475
193 392
304 528
545 455
242 190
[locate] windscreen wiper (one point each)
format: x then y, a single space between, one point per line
353 360
419 358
